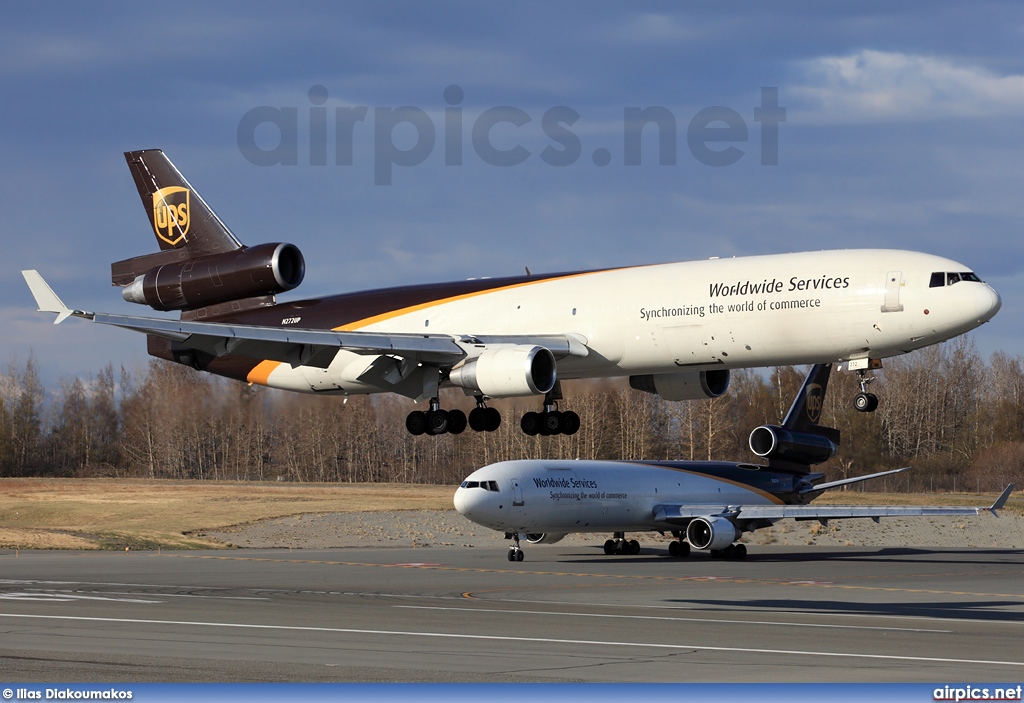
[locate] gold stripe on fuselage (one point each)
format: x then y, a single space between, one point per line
261 372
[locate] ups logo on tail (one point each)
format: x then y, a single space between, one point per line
814 402
171 213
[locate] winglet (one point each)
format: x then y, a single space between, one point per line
46 299
1001 500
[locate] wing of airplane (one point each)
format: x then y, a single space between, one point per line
681 514
298 346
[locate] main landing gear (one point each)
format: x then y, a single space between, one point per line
865 402
733 551
620 545
680 549
483 418
436 421
550 421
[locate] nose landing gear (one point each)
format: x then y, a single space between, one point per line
515 552
865 402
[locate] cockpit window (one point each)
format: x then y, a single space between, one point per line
948 278
486 485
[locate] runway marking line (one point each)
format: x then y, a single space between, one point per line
721 621
499 638
646 577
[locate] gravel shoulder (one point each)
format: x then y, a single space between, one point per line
446 528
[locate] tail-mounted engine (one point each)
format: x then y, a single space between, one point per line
773 442
265 269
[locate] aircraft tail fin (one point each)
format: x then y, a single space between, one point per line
800 441
178 215
805 412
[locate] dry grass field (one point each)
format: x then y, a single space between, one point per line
143 514
147 514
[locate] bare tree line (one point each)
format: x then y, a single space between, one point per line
944 410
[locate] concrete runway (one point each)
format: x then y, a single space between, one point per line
567 613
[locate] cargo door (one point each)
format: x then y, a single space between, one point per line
517 492
893 284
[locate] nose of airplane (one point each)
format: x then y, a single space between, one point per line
470 502
987 302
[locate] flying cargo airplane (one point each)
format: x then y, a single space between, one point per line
674 329
704 504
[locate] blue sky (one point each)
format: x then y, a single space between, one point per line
903 130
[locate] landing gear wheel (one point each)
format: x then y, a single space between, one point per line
552 422
865 402
493 419
511 555
482 418
729 552
741 551
632 547
678 549
456 421
416 422
478 419
437 422
716 554
570 422
610 547
519 555
530 423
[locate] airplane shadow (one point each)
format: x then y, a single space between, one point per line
954 610
891 555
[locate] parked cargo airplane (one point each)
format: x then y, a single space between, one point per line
674 329
704 504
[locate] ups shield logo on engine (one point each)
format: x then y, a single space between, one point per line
171 213
814 401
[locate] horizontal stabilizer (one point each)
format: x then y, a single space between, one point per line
46 299
847 481
1001 500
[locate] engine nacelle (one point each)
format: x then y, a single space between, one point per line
506 372
711 533
265 269
688 385
774 442
544 537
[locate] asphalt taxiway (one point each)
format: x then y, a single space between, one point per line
467 614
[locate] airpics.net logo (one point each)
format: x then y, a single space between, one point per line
171 213
715 136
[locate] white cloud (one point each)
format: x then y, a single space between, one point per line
875 86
